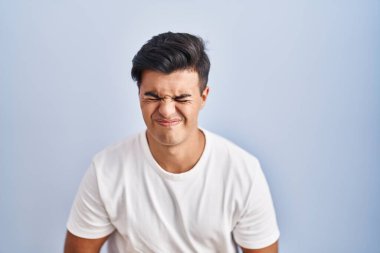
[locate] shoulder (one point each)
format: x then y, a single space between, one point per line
239 171
112 162
229 152
115 163
118 151
238 168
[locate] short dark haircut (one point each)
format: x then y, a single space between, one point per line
168 52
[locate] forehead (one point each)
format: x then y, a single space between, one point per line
177 81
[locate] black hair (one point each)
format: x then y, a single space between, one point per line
168 52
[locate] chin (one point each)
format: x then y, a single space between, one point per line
169 140
165 139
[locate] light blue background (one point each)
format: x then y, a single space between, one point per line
297 83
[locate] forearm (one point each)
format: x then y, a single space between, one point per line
75 244
270 249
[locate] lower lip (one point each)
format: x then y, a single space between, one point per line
168 123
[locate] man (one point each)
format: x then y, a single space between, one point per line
174 187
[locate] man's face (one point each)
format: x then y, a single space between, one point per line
170 104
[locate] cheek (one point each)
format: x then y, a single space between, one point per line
147 110
189 113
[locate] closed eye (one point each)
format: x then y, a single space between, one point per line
154 97
182 98
151 97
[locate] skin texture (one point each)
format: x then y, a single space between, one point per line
75 244
270 249
170 105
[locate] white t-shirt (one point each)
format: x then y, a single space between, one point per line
223 199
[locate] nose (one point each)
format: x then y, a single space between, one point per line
167 107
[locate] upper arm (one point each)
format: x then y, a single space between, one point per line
256 227
88 216
270 249
75 244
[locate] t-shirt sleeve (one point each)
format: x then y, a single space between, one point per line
88 217
257 226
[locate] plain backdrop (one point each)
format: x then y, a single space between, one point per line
296 83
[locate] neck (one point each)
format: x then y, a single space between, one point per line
177 158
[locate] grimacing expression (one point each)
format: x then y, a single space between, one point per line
170 104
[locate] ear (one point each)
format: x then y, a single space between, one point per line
204 96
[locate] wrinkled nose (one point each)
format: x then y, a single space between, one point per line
167 107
